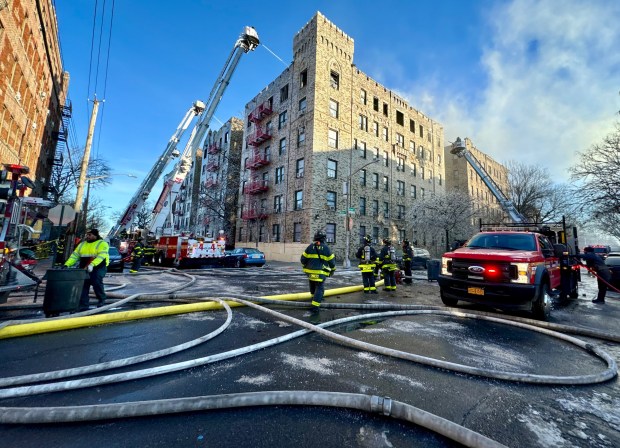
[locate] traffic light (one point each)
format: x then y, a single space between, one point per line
6 190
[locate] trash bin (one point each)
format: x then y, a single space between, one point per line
63 290
432 269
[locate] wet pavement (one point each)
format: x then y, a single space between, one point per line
514 413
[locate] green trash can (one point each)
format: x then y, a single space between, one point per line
63 290
432 270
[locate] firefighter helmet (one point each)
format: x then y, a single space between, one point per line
320 236
367 239
405 242
387 241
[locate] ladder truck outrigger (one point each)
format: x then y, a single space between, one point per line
519 265
247 41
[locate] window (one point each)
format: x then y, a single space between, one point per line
297 232
412 146
386 209
240 234
386 183
414 170
279 175
421 152
303 78
385 233
385 134
362 178
439 159
333 108
412 126
385 109
362 232
361 146
386 158
282 146
330 231
299 168
400 118
401 212
334 79
226 137
275 232
332 138
301 136
413 191
430 175
375 128
284 93
267 153
401 164
376 156
277 204
375 181
400 189
422 193
302 105
421 132
363 123
375 207
299 199
331 200
440 179
268 127
362 206
363 96
400 140
332 168
282 120
375 103
422 172
401 234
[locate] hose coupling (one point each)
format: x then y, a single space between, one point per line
381 405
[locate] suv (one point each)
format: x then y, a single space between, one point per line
511 270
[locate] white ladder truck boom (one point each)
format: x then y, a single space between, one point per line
460 149
248 41
137 201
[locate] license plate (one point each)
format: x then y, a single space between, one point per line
476 291
256 256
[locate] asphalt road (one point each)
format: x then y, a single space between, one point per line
513 413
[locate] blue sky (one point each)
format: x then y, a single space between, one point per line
528 80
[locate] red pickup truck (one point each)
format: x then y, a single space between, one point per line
511 270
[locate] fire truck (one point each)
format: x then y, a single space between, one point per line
513 266
186 252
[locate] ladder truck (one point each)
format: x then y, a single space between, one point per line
248 41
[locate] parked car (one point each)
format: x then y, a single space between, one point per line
117 264
420 258
245 256
613 261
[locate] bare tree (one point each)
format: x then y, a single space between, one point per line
144 216
443 218
598 175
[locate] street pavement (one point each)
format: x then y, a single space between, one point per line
516 414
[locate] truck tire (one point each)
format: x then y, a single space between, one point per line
447 301
574 292
541 305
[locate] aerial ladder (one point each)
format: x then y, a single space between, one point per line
460 149
141 195
247 41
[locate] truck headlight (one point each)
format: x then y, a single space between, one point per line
446 266
525 272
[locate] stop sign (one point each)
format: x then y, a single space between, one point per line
61 214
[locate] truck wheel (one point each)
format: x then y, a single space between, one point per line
237 263
574 292
447 301
541 306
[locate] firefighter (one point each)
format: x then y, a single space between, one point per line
93 256
318 263
407 258
59 255
136 255
368 256
387 257
601 270
149 254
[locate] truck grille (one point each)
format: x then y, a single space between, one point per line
483 270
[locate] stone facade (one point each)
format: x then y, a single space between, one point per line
461 176
33 88
334 140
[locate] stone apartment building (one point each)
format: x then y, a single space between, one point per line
460 175
329 148
33 89
214 205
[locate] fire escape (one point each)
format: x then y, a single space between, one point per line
258 159
59 142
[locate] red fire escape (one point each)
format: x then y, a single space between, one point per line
257 159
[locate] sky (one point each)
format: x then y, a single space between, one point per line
527 80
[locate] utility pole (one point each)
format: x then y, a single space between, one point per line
77 206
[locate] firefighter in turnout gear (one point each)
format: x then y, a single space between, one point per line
387 257
149 254
407 257
59 254
368 261
137 254
318 263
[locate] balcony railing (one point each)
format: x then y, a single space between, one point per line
261 112
210 183
213 148
258 137
256 187
212 166
255 213
257 161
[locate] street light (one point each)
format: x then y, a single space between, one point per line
347 187
88 179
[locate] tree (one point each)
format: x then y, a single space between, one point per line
597 172
144 216
444 217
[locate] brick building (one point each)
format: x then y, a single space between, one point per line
324 140
33 88
461 176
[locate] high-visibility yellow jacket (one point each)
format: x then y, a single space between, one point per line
318 261
370 264
87 253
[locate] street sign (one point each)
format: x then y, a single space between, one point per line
37 201
61 214
352 209
342 212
